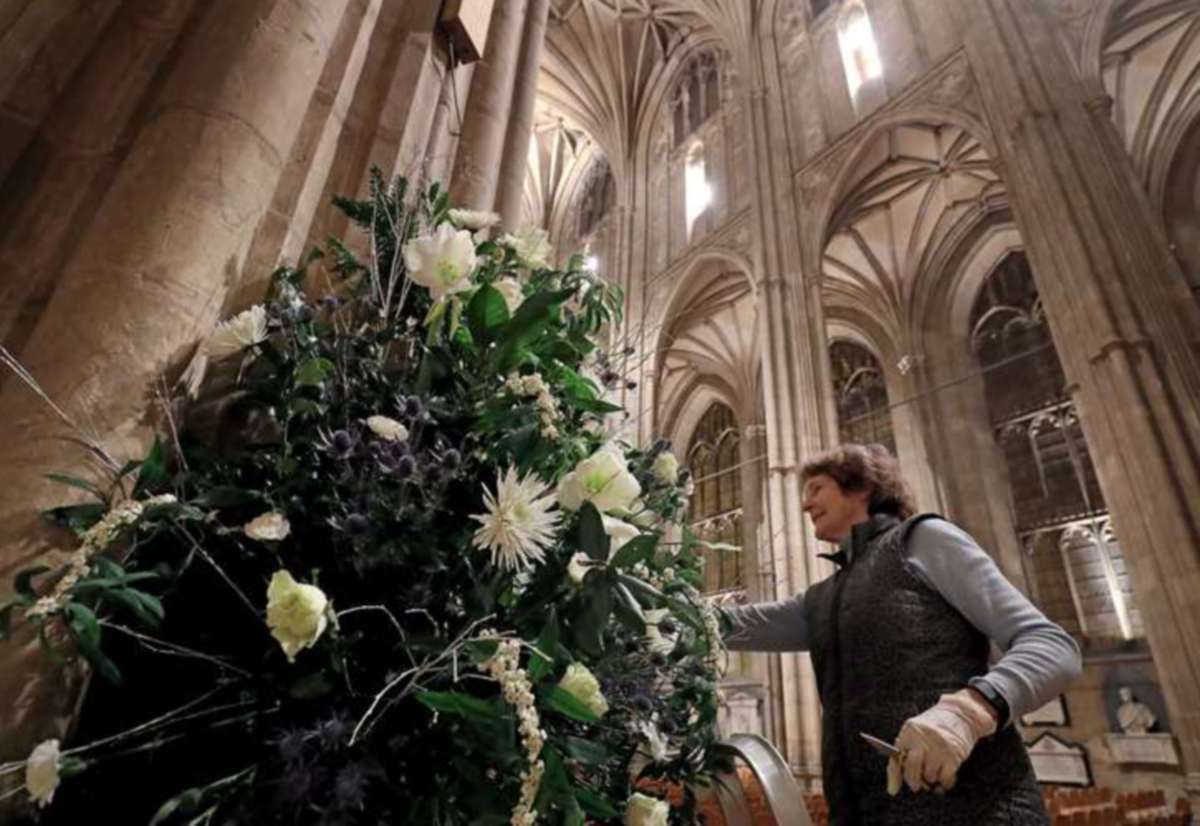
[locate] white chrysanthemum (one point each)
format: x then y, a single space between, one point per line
41 772
268 527
619 533
519 524
510 288
644 810
582 684
473 219
245 329
231 336
386 428
532 246
295 613
441 262
666 467
602 479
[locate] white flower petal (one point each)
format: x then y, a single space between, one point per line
519 524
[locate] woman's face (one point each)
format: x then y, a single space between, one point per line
832 510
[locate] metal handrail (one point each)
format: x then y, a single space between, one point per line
782 793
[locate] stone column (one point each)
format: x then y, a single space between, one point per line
793 336
485 122
52 197
149 276
520 126
1123 322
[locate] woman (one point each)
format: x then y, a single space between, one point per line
899 642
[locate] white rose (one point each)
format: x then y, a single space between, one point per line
641 515
295 613
441 262
666 467
386 428
473 219
269 527
602 479
245 329
41 772
532 246
579 566
619 533
584 687
644 810
510 288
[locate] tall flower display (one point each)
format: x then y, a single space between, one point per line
388 566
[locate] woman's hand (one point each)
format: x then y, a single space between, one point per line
935 743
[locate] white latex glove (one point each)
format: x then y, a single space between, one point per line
937 741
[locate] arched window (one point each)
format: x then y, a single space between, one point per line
697 192
716 508
599 193
860 55
862 402
697 96
1075 565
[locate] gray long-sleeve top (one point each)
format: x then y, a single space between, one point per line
1039 659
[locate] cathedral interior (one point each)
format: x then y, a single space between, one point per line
968 230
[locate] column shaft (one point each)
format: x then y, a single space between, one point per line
149 276
1121 318
520 127
485 122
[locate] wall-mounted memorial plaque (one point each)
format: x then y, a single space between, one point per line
1060 762
1146 749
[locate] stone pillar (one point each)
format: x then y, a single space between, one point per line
282 235
520 127
169 239
1121 317
485 122
52 196
794 348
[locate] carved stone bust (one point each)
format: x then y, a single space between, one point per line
1133 717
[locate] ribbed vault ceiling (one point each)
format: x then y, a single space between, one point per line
713 339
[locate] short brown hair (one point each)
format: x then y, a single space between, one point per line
865 467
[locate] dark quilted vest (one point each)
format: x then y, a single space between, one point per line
884 646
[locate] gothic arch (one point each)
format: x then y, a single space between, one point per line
1145 54
707 335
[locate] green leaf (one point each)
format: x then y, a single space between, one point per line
638 549
464 705
596 804
312 372
628 609
85 628
154 467
75 482
23 582
76 517
486 314
592 538
147 608
526 325
559 699
305 407
640 588
547 642
588 752
588 631
6 620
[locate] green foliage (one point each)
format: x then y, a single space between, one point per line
387 716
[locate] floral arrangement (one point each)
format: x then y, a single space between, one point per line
387 562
